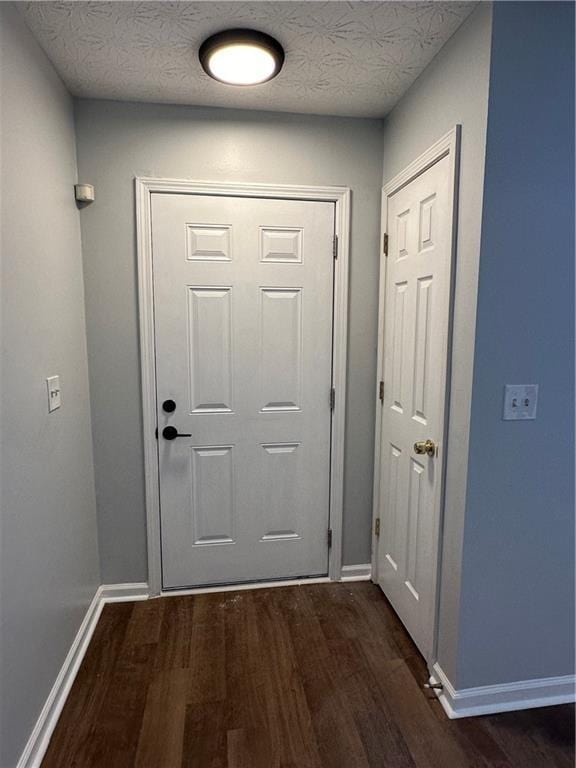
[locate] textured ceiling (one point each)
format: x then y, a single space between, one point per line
342 58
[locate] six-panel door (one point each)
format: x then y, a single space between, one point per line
243 331
416 326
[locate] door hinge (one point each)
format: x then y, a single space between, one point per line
156 433
377 527
381 391
385 244
332 398
329 537
335 247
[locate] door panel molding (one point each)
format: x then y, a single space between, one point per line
340 196
447 146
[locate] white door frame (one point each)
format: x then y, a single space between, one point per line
447 146
145 187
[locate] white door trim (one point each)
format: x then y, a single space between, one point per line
338 195
448 145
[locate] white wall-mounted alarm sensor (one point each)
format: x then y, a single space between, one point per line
84 193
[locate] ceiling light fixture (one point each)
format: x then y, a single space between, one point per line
241 57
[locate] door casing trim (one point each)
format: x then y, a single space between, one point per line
447 146
340 196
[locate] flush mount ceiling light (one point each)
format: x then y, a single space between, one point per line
241 57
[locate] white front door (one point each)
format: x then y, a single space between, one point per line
416 328
243 331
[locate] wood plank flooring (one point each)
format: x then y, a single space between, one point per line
316 676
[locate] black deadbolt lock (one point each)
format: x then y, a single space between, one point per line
169 406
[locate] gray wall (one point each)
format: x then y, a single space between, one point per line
118 141
453 89
518 573
49 555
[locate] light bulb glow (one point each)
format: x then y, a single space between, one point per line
241 64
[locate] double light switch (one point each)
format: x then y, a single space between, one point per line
520 401
54 393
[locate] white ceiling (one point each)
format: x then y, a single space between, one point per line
342 58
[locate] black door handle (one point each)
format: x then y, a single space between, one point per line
171 433
169 406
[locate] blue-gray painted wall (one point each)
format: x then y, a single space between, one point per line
517 590
49 569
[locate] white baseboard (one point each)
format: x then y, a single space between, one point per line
362 572
37 745
40 736
124 593
508 697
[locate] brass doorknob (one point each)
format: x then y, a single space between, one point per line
425 446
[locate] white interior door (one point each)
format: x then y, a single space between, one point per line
243 331
416 328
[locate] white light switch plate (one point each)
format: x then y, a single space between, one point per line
54 393
520 401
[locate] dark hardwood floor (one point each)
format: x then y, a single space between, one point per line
315 676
